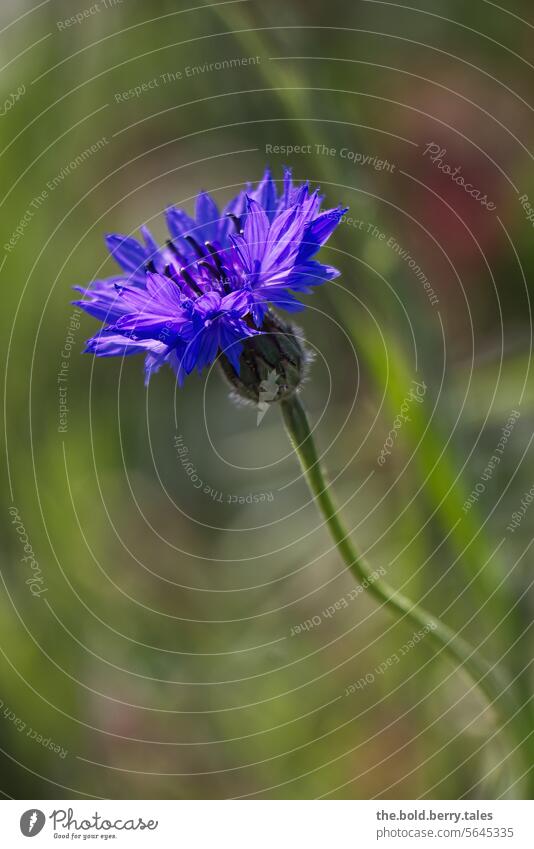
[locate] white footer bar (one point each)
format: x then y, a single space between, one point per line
268 824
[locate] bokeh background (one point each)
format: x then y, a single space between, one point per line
161 657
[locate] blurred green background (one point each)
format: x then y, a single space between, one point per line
159 657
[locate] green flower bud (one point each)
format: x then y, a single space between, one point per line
273 364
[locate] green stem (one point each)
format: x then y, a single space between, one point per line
495 688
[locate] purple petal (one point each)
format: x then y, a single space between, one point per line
300 195
207 214
163 291
114 345
256 230
288 187
190 355
152 246
103 301
178 222
285 236
318 231
310 273
238 301
208 345
265 194
243 253
208 303
149 326
128 253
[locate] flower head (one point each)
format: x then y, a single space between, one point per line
209 288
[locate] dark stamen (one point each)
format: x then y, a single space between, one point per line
184 289
149 266
215 256
171 273
190 281
237 222
209 268
199 250
178 254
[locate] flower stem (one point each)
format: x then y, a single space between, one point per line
495 687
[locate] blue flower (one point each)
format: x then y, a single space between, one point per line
209 288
